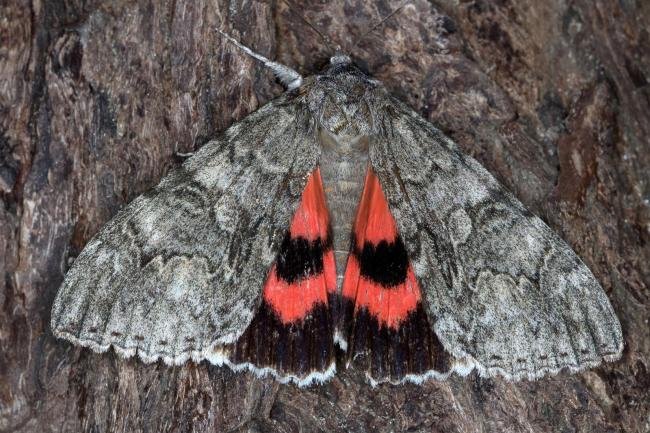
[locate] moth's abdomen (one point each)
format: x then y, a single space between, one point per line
343 164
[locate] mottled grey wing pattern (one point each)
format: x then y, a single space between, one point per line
181 268
505 294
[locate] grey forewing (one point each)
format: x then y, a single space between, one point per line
502 290
181 268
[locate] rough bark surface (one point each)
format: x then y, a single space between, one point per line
96 98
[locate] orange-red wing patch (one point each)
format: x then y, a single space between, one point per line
292 332
311 220
374 222
304 273
390 306
384 326
378 276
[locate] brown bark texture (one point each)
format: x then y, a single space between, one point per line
97 97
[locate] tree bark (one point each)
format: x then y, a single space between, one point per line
96 97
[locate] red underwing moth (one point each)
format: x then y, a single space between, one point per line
336 216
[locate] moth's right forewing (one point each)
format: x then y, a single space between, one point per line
504 293
181 268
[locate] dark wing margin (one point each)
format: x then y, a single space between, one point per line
504 293
180 270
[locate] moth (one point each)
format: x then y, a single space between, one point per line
334 216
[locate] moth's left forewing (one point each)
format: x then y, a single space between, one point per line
179 272
504 293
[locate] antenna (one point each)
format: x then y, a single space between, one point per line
287 76
378 24
327 40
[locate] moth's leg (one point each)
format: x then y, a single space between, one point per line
287 76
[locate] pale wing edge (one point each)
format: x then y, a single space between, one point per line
465 363
212 355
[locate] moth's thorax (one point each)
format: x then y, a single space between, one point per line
339 100
343 165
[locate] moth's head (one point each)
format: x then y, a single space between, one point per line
340 60
341 63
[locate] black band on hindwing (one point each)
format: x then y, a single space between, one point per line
384 263
299 258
